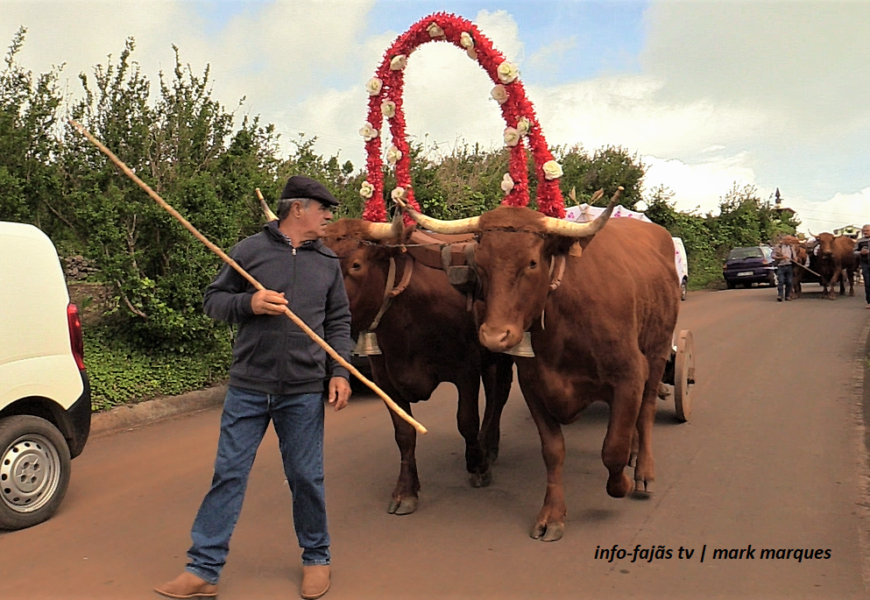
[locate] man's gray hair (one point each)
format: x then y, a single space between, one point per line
284 205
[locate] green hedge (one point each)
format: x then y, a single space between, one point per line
122 374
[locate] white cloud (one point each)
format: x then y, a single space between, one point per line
698 187
797 60
274 53
546 59
841 210
625 111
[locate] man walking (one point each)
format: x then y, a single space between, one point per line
783 255
862 257
277 374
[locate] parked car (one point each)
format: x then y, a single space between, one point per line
45 397
748 265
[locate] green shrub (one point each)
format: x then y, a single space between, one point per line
121 373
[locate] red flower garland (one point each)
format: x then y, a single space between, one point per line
517 106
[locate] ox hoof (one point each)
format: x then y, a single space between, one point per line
619 486
402 507
632 459
642 489
548 532
479 480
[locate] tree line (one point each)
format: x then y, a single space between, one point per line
206 162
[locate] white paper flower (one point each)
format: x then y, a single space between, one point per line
511 136
507 183
523 125
366 190
552 169
373 86
435 31
388 109
466 41
499 94
507 72
399 62
398 193
394 155
368 132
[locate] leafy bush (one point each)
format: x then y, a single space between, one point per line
743 220
121 373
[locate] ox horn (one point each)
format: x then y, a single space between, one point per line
387 231
270 216
469 225
580 230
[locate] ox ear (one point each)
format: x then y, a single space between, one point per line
557 245
406 234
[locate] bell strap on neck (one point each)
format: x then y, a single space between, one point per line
391 292
557 264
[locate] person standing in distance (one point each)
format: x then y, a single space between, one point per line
277 374
862 256
783 256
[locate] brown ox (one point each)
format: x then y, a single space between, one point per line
427 336
604 334
832 257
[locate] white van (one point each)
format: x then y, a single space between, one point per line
45 397
682 264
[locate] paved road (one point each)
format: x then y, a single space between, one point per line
773 458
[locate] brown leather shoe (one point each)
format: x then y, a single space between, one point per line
315 581
187 585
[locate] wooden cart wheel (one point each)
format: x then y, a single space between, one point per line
684 375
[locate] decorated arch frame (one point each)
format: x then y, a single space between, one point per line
385 92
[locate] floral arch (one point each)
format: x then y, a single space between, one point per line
385 100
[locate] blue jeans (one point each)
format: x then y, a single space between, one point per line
784 276
865 272
298 421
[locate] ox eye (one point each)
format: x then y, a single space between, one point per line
533 264
356 266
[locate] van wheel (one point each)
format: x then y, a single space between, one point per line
684 289
34 471
731 284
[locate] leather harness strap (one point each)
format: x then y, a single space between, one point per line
391 292
556 281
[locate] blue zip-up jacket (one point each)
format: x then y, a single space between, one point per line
271 354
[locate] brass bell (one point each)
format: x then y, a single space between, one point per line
367 344
524 348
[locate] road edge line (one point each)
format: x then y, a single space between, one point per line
133 416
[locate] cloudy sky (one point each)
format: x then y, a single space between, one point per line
708 93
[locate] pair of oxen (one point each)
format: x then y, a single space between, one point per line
600 304
832 258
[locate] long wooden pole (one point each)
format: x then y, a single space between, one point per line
299 322
806 268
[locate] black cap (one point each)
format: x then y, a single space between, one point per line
300 186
